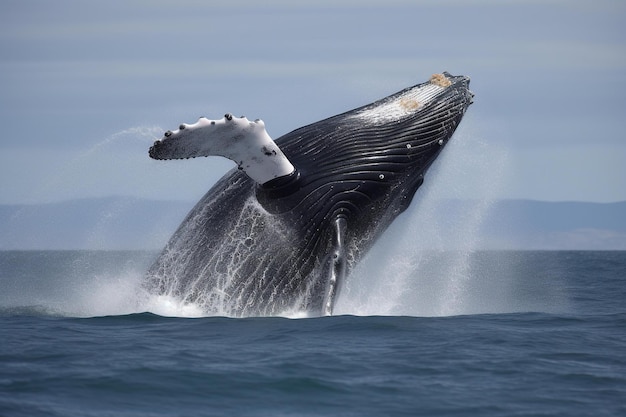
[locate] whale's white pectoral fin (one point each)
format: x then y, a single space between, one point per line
335 265
238 139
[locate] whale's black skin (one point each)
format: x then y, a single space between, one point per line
284 246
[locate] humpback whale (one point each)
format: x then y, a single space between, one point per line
281 232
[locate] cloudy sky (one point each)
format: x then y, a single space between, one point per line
86 87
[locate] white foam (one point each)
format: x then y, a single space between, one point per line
122 294
167 306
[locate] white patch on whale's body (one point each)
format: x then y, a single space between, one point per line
409 102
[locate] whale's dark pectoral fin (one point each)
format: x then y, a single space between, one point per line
335 265
245 142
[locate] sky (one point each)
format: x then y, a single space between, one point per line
86 87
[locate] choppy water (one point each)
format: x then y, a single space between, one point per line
501 333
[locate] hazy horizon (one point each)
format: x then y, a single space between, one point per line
118 223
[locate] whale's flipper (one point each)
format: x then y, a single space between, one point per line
335 264
238 139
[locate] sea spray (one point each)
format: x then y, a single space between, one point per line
119 165
192 270
422 265
93 171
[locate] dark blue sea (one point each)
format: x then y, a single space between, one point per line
498 334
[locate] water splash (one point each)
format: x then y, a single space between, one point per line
423 264
119 165
212 274
96 170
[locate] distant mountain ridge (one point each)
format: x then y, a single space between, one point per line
528 224
131 223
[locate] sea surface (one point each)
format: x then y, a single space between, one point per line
498 334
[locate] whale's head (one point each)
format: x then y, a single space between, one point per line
377 153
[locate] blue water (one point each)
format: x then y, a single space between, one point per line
527 334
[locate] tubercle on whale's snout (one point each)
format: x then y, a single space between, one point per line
445 79
441 80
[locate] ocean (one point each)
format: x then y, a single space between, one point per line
503 333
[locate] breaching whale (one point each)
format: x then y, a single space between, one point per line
280 232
